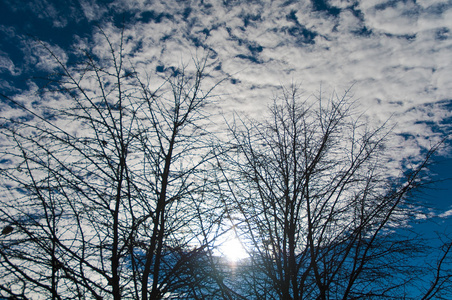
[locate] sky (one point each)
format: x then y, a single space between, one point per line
394 56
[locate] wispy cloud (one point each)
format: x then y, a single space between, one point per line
7 65
446 214
395 53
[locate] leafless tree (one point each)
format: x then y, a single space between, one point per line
317 205
114 188
99 192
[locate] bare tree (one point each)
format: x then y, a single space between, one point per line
317 204
99 193
114 188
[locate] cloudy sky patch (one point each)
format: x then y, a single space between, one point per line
396 55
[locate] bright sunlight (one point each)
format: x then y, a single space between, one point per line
233 250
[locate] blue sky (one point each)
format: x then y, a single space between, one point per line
397 55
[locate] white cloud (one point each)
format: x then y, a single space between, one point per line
43 59
400 66
385 68
6 64
446 214
91 10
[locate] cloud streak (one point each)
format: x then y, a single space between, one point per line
395 54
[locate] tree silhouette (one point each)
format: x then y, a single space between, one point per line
100 187
316 203
113 187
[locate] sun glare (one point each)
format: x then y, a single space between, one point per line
233 250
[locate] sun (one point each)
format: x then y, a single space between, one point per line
233 250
